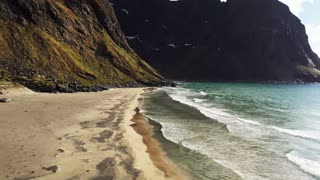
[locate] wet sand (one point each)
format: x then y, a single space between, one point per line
154 149
77 136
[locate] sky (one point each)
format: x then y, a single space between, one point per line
308 12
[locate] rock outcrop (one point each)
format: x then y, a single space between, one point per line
68 45
240 40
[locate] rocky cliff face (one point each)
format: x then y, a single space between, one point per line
67 45
246 40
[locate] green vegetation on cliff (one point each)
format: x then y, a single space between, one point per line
67 44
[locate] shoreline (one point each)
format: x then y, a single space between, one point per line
200 132
139 134
81 135
143 127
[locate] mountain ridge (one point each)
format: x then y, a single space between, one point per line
209 40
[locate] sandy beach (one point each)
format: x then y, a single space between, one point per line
77 136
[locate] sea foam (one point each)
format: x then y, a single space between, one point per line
197 100
306 165
300 133
203 93
239 126
181 95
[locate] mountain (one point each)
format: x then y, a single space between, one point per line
209 40
68 45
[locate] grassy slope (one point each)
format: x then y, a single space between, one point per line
65 42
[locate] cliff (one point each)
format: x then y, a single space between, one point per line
68 45
240 40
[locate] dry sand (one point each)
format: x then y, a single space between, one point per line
85 135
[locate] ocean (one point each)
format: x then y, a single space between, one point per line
239 130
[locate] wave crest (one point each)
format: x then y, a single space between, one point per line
306 165
299 133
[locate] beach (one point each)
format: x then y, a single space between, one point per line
77 136
188 132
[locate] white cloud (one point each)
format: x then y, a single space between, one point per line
313 32
296 6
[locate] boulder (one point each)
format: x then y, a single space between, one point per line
53 168
5 100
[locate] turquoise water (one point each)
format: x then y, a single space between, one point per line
241 130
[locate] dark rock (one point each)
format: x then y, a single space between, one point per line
53 168
5 100
240 40
60 150
62 87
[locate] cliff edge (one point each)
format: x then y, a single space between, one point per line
209 40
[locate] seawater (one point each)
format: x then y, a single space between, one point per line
239 130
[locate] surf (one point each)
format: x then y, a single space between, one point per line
255 123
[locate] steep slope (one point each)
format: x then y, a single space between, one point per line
67 45
245 40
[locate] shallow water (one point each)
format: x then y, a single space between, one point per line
253 131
